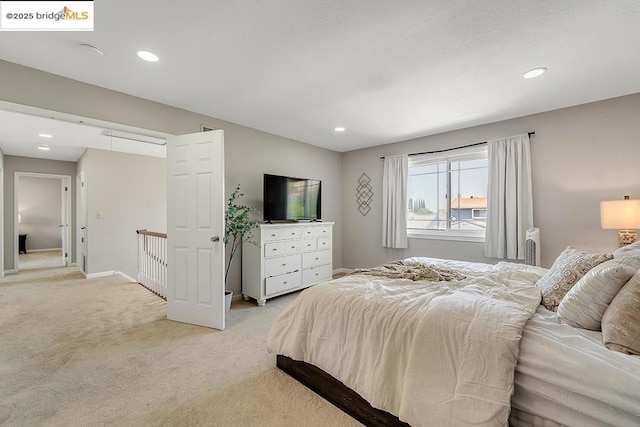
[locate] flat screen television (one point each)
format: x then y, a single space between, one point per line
291 199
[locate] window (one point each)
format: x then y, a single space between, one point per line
447 194
479 213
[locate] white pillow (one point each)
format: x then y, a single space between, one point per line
627 250
584 305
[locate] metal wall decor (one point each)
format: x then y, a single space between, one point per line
364 194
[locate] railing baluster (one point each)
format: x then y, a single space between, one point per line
152 261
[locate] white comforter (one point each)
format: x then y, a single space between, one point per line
432 353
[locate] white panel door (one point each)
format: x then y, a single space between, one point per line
195 229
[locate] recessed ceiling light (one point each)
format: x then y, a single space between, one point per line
148 56
44 147
45 135
340 129
534 73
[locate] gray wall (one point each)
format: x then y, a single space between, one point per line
129 191
40 209
248 152
14 164
580 156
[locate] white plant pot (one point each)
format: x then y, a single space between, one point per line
228 296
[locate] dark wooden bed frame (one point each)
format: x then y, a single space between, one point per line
337 393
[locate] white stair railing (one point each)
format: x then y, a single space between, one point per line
152 261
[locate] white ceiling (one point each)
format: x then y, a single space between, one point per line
19 136
387 70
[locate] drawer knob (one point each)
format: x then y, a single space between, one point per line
317 258
284 283
283 265
273 235
274 249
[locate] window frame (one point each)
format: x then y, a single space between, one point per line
467 153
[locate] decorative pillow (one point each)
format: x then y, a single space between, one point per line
621 321
627 250
566 270
585 303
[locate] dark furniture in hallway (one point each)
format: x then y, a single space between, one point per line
22 243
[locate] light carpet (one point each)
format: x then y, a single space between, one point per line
101 352
47 259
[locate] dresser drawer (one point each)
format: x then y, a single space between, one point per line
282 265
274 249
314 259
316 231
315 275
292 247
281 233
324 243
282 283
308 244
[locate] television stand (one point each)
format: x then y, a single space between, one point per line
288 257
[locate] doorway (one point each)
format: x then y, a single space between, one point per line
42 220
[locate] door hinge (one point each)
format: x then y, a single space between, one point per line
66 255
82 240
66 188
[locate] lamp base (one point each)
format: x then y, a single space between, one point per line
626 237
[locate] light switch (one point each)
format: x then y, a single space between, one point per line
99 215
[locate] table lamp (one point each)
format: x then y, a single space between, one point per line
621 215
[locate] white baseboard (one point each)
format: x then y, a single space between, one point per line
30 251
10 271
236 297
101 274
125 276
342 270
84 274
107 273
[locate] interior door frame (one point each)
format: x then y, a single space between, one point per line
81 222
66 217
2 219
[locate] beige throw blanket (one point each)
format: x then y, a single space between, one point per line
413 271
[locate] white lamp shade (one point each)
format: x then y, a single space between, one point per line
620 214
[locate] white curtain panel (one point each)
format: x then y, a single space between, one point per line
394 202
509 197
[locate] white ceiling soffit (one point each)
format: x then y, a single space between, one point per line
20 127
131 136
383 69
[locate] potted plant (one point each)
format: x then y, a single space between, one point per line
238 228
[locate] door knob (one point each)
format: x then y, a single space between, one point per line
215 239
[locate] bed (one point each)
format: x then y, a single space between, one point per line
471 346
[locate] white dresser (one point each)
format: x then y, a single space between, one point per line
288 257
